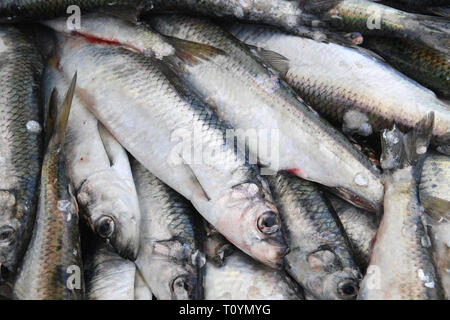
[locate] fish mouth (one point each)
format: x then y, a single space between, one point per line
275 257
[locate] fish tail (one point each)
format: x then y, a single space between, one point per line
410 149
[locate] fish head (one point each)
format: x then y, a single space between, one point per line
112 211
177 266
11 234
342 285
329 279
248 218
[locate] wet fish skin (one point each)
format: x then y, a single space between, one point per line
52 267
363 16
100 171
280 13
34 10
141 289
440 237
141 84
241 278
269 106
170 250
425 65
360 227
21 140
111 30
108 276
401 265
348 80
434 188
320 257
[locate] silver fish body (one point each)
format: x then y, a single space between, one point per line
101 174
156 130
170 256
108 276
401 264
280 13
114 31
21 143
241 278
434 188
360 226
440 237
52 266
369 17
141 289
320 257
270 112
346 80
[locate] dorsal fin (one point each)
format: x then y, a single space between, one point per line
59 130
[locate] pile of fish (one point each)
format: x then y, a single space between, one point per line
224 149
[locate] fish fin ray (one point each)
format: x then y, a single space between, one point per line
272 59
193 52
63 116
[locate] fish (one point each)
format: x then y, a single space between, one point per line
401 264
216 248
372 18
100 171
349 86
108 276
359 225
101 28
269 113
21 144
52 267
434 187
156 129
320 257
170 257
440 238
279 13
426 65
12 11
241 278
141 288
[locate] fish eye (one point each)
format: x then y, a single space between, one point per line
268 222
105 226
6 234
181 287
348 289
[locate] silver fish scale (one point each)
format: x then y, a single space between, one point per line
176 210
20 148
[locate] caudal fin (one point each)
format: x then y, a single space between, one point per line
401 150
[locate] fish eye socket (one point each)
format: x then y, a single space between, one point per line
268 222
6 234
180 286
105 227
348 289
